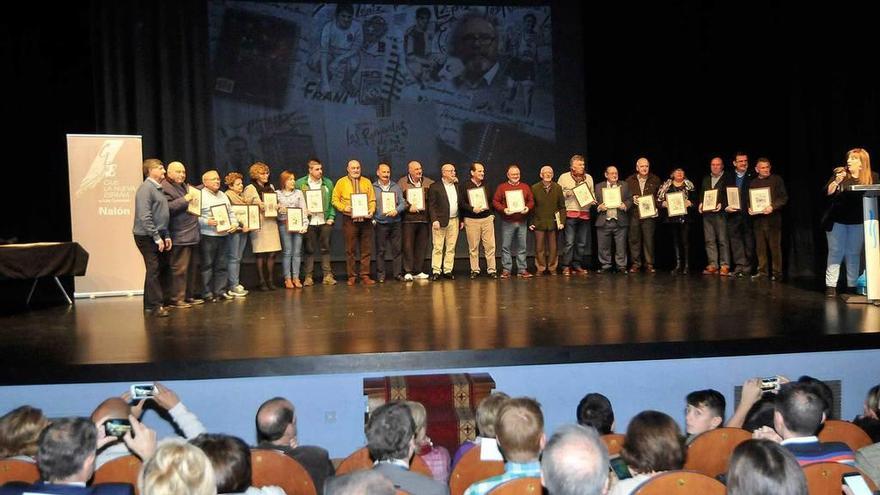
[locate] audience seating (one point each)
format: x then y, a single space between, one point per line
360 459
15 470
613 442
836 430
826 478
519 486
122 470
681 482
710 452
471 469
270 467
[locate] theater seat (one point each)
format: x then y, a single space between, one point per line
122 470
836 430
826 478
681 482
15 470
270 467
360 459
471 469
519 486
710 452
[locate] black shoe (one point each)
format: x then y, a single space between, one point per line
263 287
158 312
180 305
759 276
381 280
493 275
435 277
830 291
449 276
399 278
474 275
195 301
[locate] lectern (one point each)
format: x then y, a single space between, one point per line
872 245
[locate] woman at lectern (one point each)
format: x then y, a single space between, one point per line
842 220
265 241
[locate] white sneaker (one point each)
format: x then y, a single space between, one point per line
408 277
422 276
238 291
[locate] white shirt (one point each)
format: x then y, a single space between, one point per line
452 194
317 218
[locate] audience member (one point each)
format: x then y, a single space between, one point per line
762 467
824 392
177 468
360 483
753 393
575 462
868 458
437 458
487 413
595 410
231 460
653 445
391 442
705 411
20 429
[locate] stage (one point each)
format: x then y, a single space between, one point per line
430 325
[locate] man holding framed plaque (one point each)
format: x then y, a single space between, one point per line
415 221
642 219
181 267
357 225
214 246
443 207
611 224
389 197
713 201
546 221
767 195
479 222
513 200
739 223
318 191
150 232
577 248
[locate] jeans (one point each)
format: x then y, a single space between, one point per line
578 245
510 232
291 253
715 226
237 243
845 242
215 263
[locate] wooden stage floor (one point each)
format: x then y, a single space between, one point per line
429 325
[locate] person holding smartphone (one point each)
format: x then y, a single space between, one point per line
654 444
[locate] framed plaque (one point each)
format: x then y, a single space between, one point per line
194 207
241 214
676 204
583 195
710 200
759 199
254 219
733 198
295 220
360 206
221 214
270 202
315 200
415 196
389 202
515 200
611 197
477 198
647 206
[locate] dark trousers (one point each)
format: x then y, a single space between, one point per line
318 241
215 263
742 240
612 234
641 240
181 277
415 244
358 245
388 238
152 287
769 236
681 245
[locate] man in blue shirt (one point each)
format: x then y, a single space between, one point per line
151 233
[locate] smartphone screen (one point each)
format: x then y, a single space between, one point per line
620 468
143 391
116 427
856 483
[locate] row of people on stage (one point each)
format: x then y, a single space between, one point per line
176 224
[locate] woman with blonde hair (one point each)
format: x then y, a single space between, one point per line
265 241
177 468
437 458
843 219
20 429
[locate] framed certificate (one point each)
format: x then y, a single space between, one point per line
759 199
221 214
710 200
676 204
295 220
647 207
415 196
360 207
559 223
515 200
389 202
270 201
254 221
241 214
611 197
315 200
194 207
583 195
477 198
733 198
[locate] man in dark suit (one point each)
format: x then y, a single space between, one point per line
443 202
276 430
66 459
739 225
612 222
390 439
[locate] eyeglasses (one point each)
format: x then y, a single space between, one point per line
483 39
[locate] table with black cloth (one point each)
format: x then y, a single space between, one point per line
42 259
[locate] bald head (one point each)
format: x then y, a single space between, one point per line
276 421
176 172
414 169
112 408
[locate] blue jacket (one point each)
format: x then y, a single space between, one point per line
379 216
52 489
